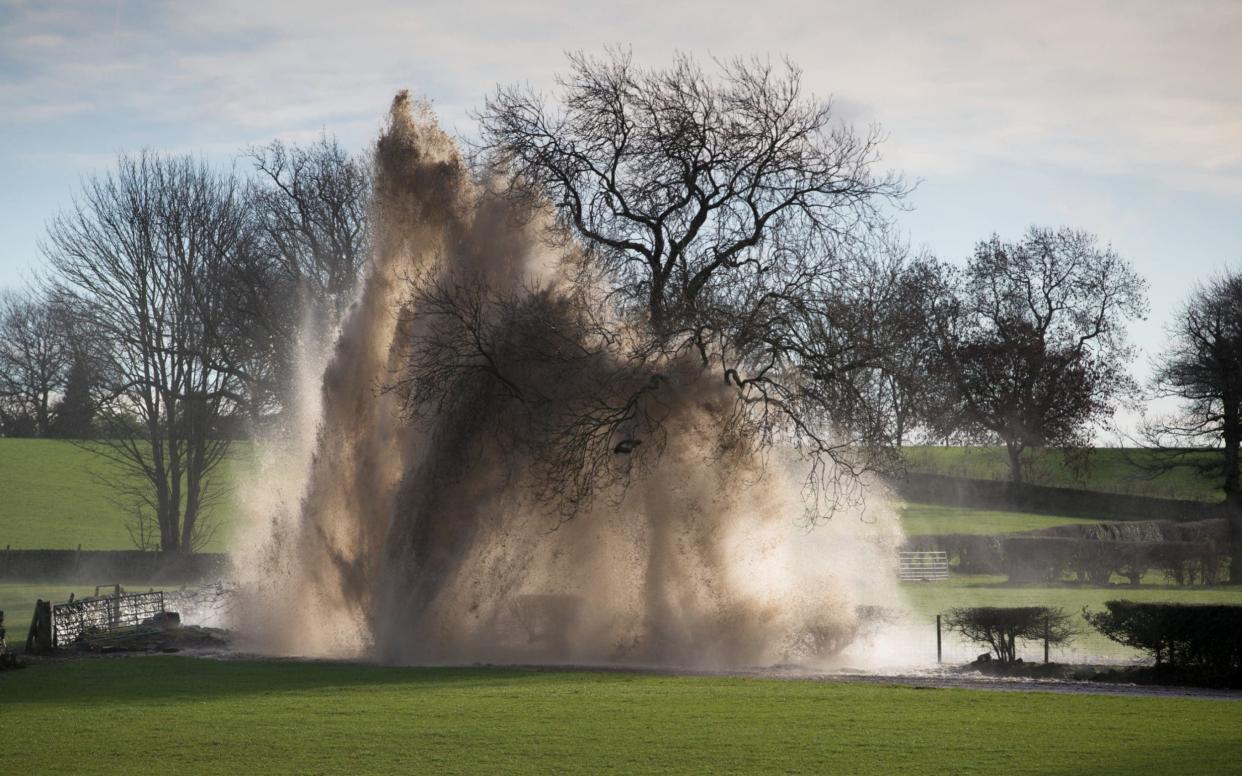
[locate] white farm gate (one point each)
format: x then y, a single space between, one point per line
923 566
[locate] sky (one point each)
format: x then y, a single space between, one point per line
1121 118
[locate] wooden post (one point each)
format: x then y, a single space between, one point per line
1046 637
39 639
938 650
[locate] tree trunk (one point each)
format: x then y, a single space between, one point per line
1015 462
1233 492
1233 505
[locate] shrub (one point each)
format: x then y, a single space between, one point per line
1134 559
1039 558
977 553
1047 558
1202 637
1185 562
1002 628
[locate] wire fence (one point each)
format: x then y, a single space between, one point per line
96 617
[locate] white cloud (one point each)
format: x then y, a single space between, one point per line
1148 87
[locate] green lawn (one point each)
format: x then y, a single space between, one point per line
922 519
56 495
173 715
1111 469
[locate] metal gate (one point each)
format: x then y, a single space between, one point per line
923 566
97 617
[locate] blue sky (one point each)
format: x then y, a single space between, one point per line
1121 118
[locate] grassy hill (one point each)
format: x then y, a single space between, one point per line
1109 469
57 495
923 519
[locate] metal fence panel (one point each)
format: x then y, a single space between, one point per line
91 616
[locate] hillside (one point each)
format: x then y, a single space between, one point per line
57 495
1109 469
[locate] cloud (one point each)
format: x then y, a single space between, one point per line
1149 87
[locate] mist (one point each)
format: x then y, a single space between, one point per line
432 538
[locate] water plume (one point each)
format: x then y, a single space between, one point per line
418 531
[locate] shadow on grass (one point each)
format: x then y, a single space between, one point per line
142 679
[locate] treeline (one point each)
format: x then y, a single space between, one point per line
231 267
177 300
749 239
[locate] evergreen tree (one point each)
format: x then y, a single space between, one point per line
75 413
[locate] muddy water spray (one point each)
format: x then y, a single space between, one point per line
425 541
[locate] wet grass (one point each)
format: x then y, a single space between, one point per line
184 716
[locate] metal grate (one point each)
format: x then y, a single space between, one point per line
98 617
923 566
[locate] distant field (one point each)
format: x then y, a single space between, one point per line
927 599
1111 469
983 590
174 715
55 495
922 519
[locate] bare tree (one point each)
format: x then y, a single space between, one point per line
312 242
1031 342
725 215
1202 368
35 356
882 318
141 251
313 204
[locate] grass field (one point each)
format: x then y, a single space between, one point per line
922 519
174 715
56 495
1111 469
933 597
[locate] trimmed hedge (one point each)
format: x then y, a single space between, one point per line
1187 553
1050 558
99 566
1203 638
996 494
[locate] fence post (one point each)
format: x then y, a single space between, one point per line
1046 637
938 651
42 631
